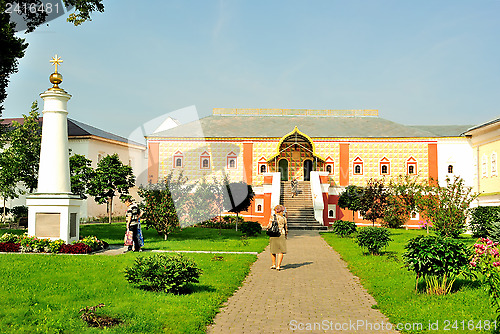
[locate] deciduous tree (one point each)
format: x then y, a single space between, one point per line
111 178
81 174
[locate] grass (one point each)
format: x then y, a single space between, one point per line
192 238
44 293
393 287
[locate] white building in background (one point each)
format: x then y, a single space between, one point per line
95 144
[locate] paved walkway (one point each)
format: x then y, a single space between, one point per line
313 293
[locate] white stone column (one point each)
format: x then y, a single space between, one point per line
53 212
53 172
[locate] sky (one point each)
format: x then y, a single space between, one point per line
417 62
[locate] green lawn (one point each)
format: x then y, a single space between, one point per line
192 238
393 287
44 293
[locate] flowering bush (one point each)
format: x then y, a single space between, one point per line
486 260
55 246
92 241
9 237
9 247
77 248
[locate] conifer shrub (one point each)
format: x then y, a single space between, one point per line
344 228
373 238
482 219
250 228
163 272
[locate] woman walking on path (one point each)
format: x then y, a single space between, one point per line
278 244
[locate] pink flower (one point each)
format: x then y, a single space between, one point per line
472 263
496 264
493 251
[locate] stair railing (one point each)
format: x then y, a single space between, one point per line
317 197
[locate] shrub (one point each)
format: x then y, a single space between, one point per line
494 231
344 228
77 248
250 229
434 257
373 238
9 247
486 260
55 246
163 272
92 241
482 218
9 237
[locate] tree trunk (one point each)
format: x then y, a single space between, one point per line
3 219
237 217
165 236
110 209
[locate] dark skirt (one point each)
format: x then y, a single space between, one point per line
278 244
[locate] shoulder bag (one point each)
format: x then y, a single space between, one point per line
274 231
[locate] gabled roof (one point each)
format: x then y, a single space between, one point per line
443 130
278 126
79 129
493 121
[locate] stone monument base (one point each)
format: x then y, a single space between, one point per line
54 216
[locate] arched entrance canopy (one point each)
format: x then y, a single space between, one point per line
297 148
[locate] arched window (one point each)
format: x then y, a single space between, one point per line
494 164
232 163
411 169
178 162
259 208
450 169
231 160
205 160
357 166
330 213
178 159
263 168
411 166
385 166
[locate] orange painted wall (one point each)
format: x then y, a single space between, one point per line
344 164
248 162
153 162
432 161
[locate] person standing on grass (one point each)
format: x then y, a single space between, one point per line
132 217
278 244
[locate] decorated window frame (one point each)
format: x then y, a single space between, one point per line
494 169
329 166
259 205
262 166
411 166
484 166
178 160
384 166
332 211
205 160
357 166
232 161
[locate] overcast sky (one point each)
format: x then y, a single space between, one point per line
417 62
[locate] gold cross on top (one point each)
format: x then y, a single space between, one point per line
56 61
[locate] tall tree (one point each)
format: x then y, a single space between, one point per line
111 178
373 202
24 148
13 47
8 179
350 199
81 174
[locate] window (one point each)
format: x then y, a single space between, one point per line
259 204
205 160
411 166
484 166
178 161
357 166
450 169
332 208
494 164
329 168
262 165
385 166
329 165
231 160
414 216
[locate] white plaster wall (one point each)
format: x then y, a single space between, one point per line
457 152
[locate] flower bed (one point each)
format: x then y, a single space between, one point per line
30 244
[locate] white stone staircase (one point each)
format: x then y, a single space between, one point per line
300 212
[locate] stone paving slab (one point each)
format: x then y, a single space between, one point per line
313 293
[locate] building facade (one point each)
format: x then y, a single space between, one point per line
326 150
